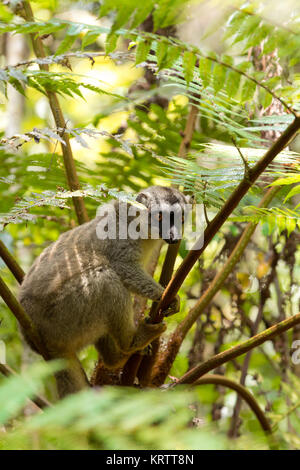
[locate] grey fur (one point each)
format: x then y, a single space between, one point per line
78 292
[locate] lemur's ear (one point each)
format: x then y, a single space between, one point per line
143 198
191 199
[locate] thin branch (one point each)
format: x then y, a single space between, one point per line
236 351
215 379
22 317
38 400
69 163
61 59
244 159
204 205
11 263
291 410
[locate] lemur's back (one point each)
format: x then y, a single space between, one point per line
59 262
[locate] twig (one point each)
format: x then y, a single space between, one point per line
22 317
236 351
204 205
63 58
11 263
176 42
246 165
293 408
257 82
242 392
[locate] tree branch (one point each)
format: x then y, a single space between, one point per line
22 317
236 351
176 42
11 263
228 267
69 163
215 379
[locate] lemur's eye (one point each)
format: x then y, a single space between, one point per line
182 218
158 216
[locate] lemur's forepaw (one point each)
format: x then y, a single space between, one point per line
173 308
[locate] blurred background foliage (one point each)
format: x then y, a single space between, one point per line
125 75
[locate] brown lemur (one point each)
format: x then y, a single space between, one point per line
78 291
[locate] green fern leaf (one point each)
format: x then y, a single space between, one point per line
188 62
205 66
111 43
89 38
219 77
161 54
142 51
71 36
248 91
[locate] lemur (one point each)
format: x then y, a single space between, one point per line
79 290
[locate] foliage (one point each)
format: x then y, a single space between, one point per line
125 80
110 419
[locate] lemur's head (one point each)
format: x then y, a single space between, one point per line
166 208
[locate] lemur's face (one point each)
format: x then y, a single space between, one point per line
166 210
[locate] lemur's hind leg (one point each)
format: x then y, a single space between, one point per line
112 356
146 333
72 378
130 338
